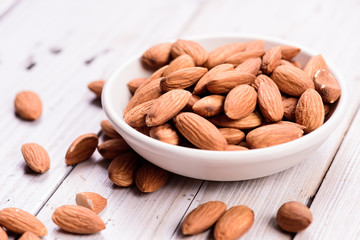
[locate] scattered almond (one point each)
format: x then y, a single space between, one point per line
203 217
28 236
209 106
28 105
122 169
81 149
36 157
195 50
294 217
150 178
77 219
91 200
165 133
20 221
108 129
97 87
157 56
112 148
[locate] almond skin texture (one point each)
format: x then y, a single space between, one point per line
28 236
165 133
255 45
271 60
195 50
209 106
136 117
77 219
28 105
200 131
145 93
97 87
157 56
270 103
225 81
291 80
134 84
36 157
289 52
250 121
251 66
294 217
81 149
240 102
19 221
231 147
112 148
241 57
167 106
272 134
157 74
108 129
289 105
309 110
182 78
203 217
192 100
220 54
91 200
3 234
315 64
234 223
232 135
150 178
327 86
122 169
181 62
200 87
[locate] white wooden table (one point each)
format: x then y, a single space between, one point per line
57 47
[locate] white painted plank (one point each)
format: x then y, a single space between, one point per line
6 6
336 206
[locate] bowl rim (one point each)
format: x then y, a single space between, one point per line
253 155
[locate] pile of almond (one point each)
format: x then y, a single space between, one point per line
236 97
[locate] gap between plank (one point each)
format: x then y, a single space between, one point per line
8 9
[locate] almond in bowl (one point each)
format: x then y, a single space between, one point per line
241 83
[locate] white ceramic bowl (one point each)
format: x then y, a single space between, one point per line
216 165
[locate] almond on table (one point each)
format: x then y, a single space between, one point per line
91 200
36 157
97 87
81 149
28 105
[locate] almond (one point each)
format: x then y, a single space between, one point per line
310 110
36 157
200 87
195 50
157 74
209 106
182 78
167 106
315 64
271 59
240 102
150 178
157 56
289 105
134 84
28 105
200 131
145 93
91 200
294 217
20 221
241 57
203 217
97 87
225 81
291 80
251 66
122 169
291 123
327 108
181 62
112 148
81 149
234 223
232 135
77 219
296 64
3 234
108 129
28 236
144 130
272 134
231 147
255 45
192 100
250 121
289 52
220 54
269 99
327 86
165 133
136 117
